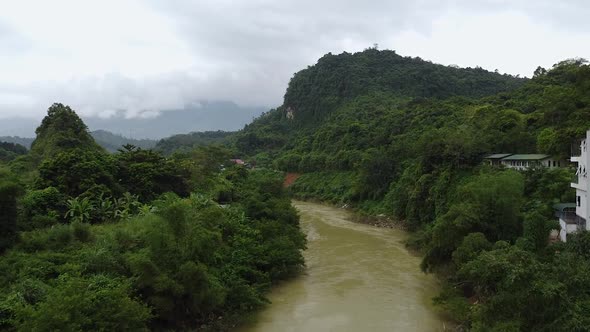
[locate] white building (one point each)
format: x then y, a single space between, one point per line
522 162
569 222
525 161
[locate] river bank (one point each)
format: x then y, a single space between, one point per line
381 220
358 277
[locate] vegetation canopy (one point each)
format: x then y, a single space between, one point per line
404 137
135 240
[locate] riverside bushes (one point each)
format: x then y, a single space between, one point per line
187 264
126 247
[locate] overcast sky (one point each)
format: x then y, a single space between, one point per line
100 56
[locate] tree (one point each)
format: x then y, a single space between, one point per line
8 214
61 130
376 171
536 229
147 174
97 303
42 208
472 245
76 171
9 151
488 203
548 142
540 71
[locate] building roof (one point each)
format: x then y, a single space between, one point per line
497 156
527 157
563 206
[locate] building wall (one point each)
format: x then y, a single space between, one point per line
582 198
553 163
522 165
582 189
582 203
566 229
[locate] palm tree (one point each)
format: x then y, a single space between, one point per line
79 209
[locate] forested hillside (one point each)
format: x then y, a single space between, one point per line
404 137
111 142
188 142
336 81
167 239
135 241
9 151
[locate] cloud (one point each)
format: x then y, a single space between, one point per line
143 57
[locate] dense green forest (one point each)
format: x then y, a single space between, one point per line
166 239
135 240
111 142
9 151
177 143
404 137
188 142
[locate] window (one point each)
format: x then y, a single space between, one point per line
579 200
554 163
548 163
559 164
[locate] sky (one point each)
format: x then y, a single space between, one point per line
146 56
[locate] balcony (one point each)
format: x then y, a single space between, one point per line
579 185
571 218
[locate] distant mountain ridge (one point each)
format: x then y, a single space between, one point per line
207 116
111 142
24 141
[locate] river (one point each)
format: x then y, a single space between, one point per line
358 278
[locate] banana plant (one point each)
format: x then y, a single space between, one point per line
126 206
79 210
105 208
199 200
146 209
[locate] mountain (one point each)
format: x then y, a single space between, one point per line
404 139
61 130
212 115
187 142
113 142
374 113
336 82
208 116
314 92
9 151
24 141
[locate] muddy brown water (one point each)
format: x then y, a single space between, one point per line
358 278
